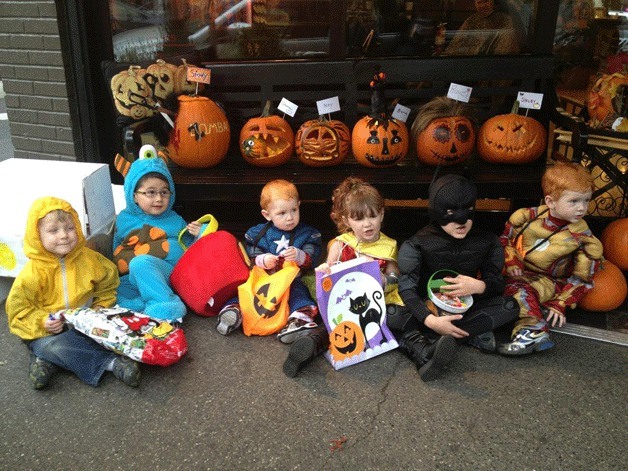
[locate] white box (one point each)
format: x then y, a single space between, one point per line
86 186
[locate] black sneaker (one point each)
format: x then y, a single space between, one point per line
484 342
40 371
127 371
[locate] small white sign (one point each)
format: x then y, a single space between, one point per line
401 113
459 92
530 100
329 105
287 107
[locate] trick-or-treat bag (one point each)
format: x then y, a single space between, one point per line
129 333
264 299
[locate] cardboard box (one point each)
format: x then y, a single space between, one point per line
86 186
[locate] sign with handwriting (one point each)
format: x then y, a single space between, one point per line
329 105
198 74
530 100
287 107
401 112
459 92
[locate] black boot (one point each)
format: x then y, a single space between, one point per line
305 349
430 358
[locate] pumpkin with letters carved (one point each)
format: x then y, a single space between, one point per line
201 133
379 140
609 289
511 138
267 140
444 132
346 340
322 142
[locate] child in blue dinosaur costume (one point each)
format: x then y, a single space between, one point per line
145 242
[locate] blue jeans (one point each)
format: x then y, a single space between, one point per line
75 352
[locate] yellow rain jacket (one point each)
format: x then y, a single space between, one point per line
47 283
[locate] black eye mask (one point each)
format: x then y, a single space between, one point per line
452 193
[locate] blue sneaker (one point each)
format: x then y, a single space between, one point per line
527 341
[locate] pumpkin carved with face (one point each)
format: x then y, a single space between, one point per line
378 140
160 76
444 132
323 142
132 94
201 134
267 141
346 340
511 138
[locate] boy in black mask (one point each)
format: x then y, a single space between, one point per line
426 334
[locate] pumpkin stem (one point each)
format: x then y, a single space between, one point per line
266 111
378 99
515 107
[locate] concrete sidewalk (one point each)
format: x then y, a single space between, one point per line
227 405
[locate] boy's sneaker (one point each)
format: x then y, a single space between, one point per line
294 329
127 371
40 371
527 341
229 319
484 342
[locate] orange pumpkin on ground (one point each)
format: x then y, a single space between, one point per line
444 132
615 241
322 142
267 140
201 133
609 290
378 140
511 138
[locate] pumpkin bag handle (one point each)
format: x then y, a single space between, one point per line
212 226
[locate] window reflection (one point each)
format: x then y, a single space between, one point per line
144 30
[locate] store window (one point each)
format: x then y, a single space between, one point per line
144 30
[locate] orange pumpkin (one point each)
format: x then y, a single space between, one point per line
511 138
609 290
379 140
446 141
322 142
201 133
160 76
267 140
346 340
615 241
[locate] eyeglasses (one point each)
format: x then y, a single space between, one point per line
152 194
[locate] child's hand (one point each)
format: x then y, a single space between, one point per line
323 268
53 324
270 261
194 228
463 285
556 317
292 254
514 271
443 325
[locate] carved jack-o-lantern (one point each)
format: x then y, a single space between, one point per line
267 140
605 101
511 138
346 340
322 142
201 134
446 141
132 94
181 83
160 76
379 140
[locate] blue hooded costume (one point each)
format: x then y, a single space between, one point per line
145 273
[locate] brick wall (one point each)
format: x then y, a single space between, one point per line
32 71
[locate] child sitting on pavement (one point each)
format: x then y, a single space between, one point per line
62 273
426 334
145 243
282 238
551 257
358 211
